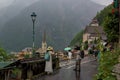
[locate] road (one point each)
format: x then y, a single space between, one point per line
88 70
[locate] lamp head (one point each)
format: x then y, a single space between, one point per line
33 16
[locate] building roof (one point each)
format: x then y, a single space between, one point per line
94 21
94 30
6 64
27 49
31 60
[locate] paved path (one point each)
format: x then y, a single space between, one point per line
85 60
88 70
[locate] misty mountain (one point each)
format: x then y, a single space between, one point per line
13 9
61 19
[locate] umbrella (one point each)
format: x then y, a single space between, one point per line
67 49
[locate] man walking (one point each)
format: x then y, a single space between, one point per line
78 58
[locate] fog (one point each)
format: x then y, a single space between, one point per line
103 2
5 3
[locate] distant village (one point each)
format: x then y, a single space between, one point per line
91 33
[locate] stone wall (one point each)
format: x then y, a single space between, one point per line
116 71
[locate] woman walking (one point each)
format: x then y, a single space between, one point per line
48 64
69 56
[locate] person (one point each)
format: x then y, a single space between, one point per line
90 51
48 64
96 51
82 54
69 56
78 58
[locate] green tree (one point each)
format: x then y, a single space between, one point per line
106 64
111 27
86 45
77 39
110 23
3 55
103 13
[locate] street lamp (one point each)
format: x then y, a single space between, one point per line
33 16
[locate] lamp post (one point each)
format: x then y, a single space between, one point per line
33 16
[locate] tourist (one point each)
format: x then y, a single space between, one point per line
78 58
48 64
69 56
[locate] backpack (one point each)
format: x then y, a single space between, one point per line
47 56
82 54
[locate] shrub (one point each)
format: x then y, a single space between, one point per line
107 60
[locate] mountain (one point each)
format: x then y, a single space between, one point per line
77 40
13 9
61 19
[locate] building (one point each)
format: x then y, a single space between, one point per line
24 53
93 31
43 49
27 52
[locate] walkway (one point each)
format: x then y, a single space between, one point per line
88 70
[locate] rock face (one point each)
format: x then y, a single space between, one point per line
116 70
62 19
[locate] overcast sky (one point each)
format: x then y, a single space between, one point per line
4 3
103 2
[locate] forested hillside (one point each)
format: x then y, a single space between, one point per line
77 40
104 13
109 21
